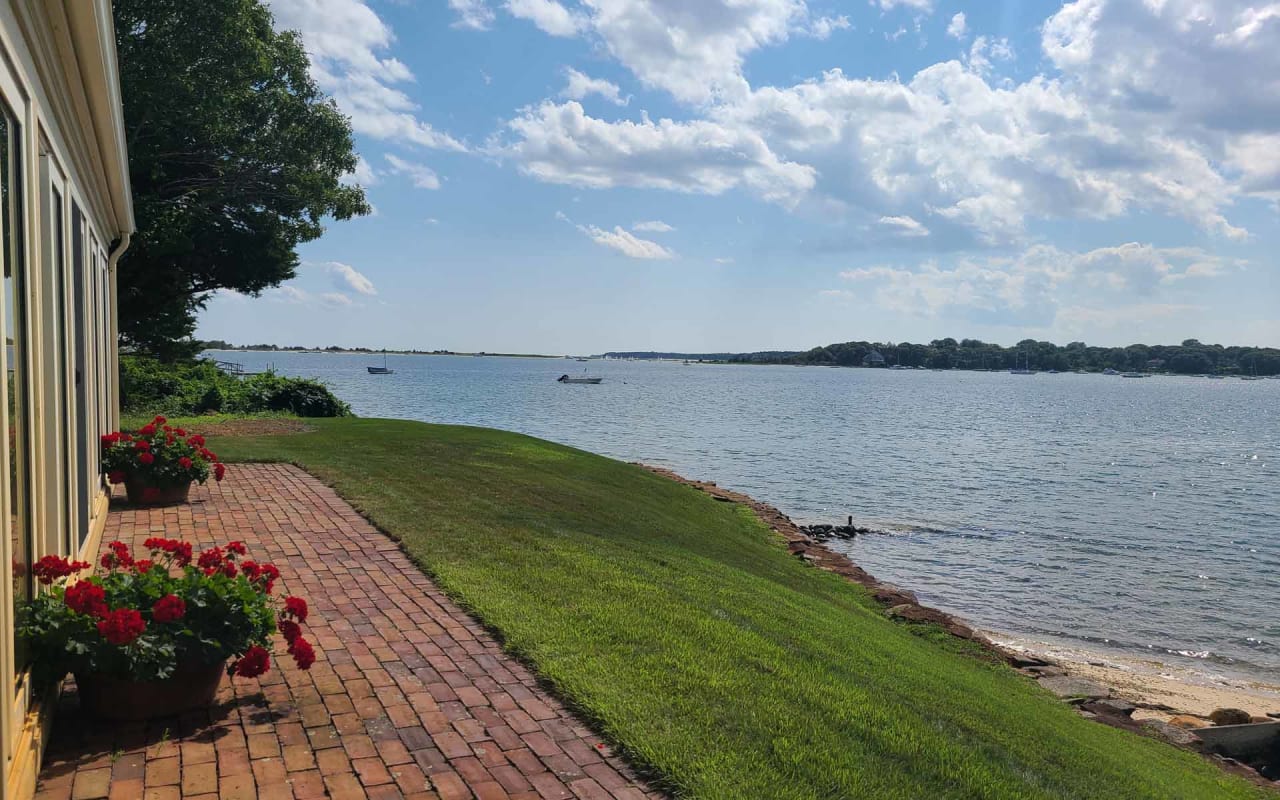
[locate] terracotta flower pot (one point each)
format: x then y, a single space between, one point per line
109 697
141 494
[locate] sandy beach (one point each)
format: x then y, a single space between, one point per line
1159 690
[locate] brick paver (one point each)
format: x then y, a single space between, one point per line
409 697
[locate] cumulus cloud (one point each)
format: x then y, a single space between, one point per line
925 6
347 42
579 86
421 175
473 14
549 16
560 143
363 174
626 243
958 26
904 226
1033 287
347 278
652 226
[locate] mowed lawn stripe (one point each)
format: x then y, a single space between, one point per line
716 661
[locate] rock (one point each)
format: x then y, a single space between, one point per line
1045 672
1188 722
1024 661
1274 714
1172 733
1230 716
1110 706
1067 687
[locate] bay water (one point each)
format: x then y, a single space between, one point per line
1122 516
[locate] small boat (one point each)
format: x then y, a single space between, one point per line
382 370
1216 377
1133 375
1027 370
1110 371
567 379
580 358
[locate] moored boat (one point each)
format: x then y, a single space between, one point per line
567 379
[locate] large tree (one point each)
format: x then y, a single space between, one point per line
236 157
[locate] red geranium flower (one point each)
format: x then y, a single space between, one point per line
237 547
184 462
210 559
196 440
146 458
290 630
51 568
117 555
142 444
229 569
304 655
147 430
143 565
122 626
218 471
169 608
116 476
86 598
159 420
296 607
256 661
180 431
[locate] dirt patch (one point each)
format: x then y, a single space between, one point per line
275 426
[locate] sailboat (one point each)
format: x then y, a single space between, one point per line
1025 371
1255 376
382 370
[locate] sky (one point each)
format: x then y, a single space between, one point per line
572 176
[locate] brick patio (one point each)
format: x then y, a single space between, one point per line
409 697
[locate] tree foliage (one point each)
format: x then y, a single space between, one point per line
236 157
1189 358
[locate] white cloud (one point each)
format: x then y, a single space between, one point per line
696 50
904 226
559 143
983 52
652 226
958 26
421 175
925 6
335 299
580 86
626 243
346 40
823 27
347 278
1032 288
723 260
287 294
473 14
363 174
549 16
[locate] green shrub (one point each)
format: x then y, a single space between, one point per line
176 389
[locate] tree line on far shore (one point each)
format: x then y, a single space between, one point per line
1191 357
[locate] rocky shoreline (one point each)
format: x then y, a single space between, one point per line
1087 689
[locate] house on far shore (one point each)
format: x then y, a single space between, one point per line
873 359
66 215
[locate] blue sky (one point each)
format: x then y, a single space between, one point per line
586 175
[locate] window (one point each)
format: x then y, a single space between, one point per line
16 360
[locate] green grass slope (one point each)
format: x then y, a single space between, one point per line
699 646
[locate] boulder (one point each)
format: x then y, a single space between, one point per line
1230 716
1172 733
1188 722
1110 706
1069 688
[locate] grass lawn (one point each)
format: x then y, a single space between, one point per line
712 658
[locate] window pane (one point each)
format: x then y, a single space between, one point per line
16 352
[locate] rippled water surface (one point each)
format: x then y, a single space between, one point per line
1141 516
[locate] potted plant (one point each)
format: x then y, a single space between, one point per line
152 637
158 464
